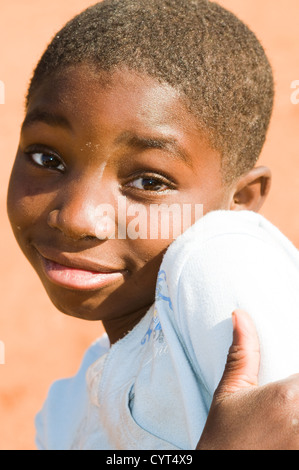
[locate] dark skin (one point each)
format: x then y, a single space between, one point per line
98 154
244 416
91 138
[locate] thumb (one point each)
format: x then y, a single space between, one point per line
243 361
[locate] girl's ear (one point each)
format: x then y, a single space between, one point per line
251 190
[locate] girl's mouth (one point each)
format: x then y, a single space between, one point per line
78 278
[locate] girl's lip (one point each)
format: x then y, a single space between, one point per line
78 278
74 260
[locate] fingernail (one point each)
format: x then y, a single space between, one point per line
234 320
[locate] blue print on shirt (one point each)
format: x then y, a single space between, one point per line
155 328
159 295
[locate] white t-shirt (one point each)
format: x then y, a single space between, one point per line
153 388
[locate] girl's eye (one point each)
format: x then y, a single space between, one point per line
45 160
149 184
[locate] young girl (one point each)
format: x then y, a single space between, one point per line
134 105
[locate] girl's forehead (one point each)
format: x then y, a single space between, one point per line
120 109
82 91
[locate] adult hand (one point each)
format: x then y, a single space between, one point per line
244 416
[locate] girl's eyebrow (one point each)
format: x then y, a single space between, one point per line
155 142
46 117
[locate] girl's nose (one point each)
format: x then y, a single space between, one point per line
77 215
76 225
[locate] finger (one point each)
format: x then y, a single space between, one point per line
243 361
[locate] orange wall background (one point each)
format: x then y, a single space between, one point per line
41 344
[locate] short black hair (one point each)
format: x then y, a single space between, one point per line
202 50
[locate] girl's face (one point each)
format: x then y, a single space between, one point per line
92 147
